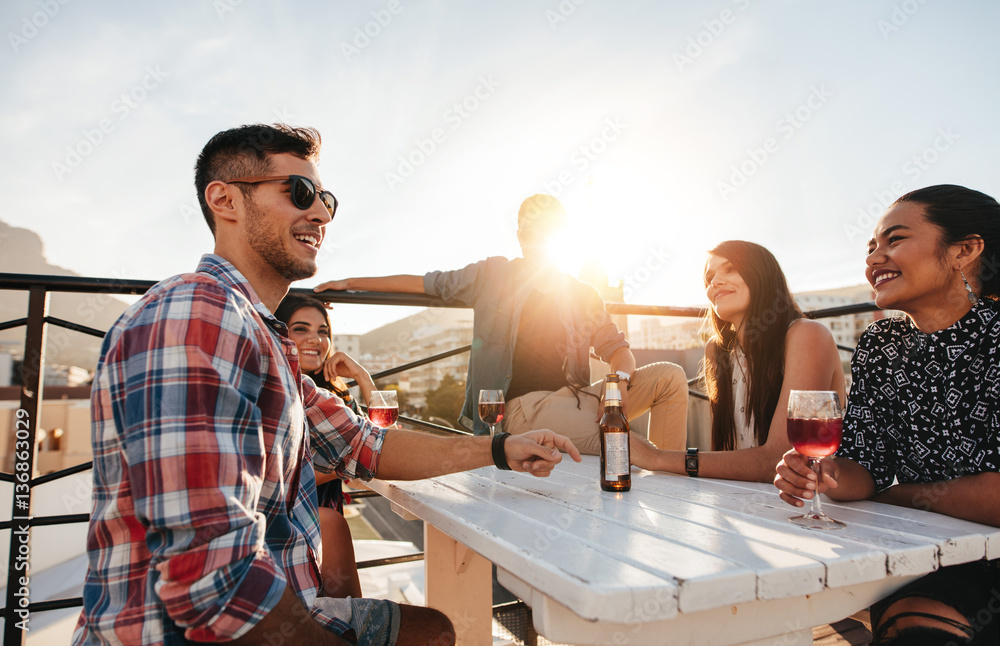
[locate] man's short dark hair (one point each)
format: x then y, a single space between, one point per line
244 152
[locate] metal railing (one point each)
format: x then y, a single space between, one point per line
32 384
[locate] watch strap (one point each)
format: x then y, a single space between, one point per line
691 462
497 448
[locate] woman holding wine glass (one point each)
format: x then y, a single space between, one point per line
922 427
309 328
761 348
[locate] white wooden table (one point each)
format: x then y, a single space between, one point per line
676 560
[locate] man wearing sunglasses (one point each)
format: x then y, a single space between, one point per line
204 524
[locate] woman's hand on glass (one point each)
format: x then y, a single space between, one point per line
796 480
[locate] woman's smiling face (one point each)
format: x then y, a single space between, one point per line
907 264
726 290
308 329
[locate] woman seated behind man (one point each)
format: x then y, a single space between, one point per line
309 328
925 404
761 347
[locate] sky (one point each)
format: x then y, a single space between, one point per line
664 127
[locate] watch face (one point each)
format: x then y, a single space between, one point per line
691 463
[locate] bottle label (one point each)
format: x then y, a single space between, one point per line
616 455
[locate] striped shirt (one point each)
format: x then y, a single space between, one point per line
204 493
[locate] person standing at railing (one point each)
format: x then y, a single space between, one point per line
761 348
533 331
922 426
204 523
309 329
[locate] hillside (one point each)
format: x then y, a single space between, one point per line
22 252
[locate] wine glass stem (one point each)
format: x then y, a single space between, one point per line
816 509
493 430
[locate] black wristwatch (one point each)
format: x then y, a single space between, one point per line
691 462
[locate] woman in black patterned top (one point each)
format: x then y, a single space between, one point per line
922 427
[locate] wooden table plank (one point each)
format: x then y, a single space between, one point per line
856 554
705 561
575 569
779 571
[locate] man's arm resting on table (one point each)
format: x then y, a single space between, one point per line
405 283
289 621
411 455
974 497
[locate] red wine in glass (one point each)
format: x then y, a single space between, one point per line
815 427
815 438
383 416
491 408
491 413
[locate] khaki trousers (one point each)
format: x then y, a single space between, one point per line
660 388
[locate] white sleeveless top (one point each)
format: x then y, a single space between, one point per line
742 417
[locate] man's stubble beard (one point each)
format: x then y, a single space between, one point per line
263 240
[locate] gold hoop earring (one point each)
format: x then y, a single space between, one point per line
968 288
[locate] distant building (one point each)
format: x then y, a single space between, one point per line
846 329
10 354
434 340
6 370
667 334
424 334
63 436
348 343
66 376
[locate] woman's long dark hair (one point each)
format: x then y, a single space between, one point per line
287 309
961 213
771 310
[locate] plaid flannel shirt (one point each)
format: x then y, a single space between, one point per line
204 502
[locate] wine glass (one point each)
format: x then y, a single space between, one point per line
491 408
383 408
815 427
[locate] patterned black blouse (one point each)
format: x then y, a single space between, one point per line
926 407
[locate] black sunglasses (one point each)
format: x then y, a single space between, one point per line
303 190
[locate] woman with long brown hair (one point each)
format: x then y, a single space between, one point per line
760 348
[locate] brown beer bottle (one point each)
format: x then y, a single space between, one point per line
615 458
